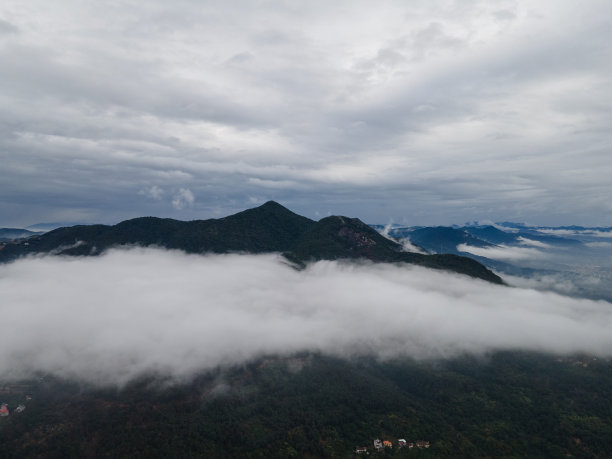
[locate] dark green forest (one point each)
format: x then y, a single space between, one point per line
267 228
508 404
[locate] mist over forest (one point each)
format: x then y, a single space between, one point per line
130 312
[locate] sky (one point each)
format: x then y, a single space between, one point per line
417 113
175 315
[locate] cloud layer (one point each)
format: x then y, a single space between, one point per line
112 318
502 252
424 112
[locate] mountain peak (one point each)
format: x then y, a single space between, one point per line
270 227
268 208
272 205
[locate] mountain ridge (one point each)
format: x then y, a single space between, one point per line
268 228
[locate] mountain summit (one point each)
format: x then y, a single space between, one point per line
267 228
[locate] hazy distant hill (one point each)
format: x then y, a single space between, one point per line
491 234
9 234
572 260
566 227
445 239
268 228
442 239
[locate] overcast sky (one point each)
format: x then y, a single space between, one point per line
420 112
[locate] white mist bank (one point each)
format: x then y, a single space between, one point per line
109 319
502 252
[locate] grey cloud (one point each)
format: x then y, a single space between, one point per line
434 36
504 15
428 109
111 318
183 197
153 192
6 28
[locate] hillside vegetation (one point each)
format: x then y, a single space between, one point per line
509 404
268 228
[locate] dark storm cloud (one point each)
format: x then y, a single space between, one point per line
109 319
428 112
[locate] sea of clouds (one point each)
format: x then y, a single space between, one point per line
130 312
501 252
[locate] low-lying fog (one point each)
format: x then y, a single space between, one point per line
583 270
111 318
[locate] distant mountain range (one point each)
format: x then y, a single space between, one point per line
268 228
10 234
445 239
466 241
576 228
574 260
